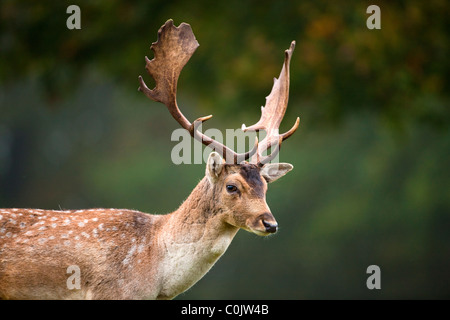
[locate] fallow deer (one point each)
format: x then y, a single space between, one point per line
125 254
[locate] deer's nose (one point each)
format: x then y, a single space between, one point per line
271 227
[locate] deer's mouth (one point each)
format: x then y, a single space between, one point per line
261 232
264 226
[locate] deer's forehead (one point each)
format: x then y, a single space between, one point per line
251 175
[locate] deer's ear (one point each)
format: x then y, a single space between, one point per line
274 171
214 167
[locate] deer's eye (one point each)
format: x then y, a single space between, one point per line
231 188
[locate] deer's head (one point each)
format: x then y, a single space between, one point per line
241 190
240 186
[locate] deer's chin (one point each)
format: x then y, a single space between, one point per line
259 232
250 225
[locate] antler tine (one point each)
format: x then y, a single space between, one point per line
273 112
172 50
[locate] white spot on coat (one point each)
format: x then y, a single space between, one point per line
129 255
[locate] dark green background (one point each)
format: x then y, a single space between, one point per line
371 179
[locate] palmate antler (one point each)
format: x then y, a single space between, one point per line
172 50
273 112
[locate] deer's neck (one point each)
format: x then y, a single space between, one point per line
194 238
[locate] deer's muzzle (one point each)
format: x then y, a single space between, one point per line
271 227
266 224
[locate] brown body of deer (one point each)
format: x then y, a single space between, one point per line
125 254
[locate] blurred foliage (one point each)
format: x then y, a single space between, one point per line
339 66
371 179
